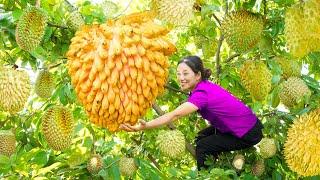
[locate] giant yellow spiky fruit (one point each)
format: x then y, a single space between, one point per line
127 166
171 143
256 78
31 28
7 142
290 68
238 161
242 30
302 28
177 12
57 127
267 147
258 168
293 92
301 149
44 84
119 68
14 89
75 20
95 164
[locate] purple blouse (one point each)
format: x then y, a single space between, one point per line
223 110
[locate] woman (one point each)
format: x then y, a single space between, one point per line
234 125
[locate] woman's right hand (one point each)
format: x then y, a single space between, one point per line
138 127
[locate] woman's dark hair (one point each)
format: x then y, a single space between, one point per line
196 65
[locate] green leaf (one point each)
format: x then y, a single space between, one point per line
41 158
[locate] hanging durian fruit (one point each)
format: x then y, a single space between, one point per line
44 84
294 92
75 21
171 143
109 8
242 30
127 166
290 68
31 28
7 142
209 48
267 147
238 161
14 89
302 28
258 168
57 127
256 78
95 164
177 12
119 68
310 11
301 149
295 32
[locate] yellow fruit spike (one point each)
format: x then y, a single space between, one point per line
137 17
137 61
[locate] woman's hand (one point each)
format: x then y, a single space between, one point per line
138 127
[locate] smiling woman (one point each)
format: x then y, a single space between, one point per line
234 126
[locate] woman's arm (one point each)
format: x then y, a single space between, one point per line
182 110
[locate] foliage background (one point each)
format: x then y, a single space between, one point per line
35 160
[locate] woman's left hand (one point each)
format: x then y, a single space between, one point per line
138 127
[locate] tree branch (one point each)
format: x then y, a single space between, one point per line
171 126
70 5
11 59
265 7
124 9
231 57
218 67
54 66
56 25
227 8
174 89
152 159
216 18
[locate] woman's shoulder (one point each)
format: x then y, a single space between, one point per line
204 84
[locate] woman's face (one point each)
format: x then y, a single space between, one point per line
186 77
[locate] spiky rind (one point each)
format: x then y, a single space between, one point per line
290 68
110 8
256 78
15 89
301 149
31 28
258 168
293 92
7 142
302 28
44 84
57 127
242 30
95 164
127 166
238 161
75 21
171 143
267 147
177 12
